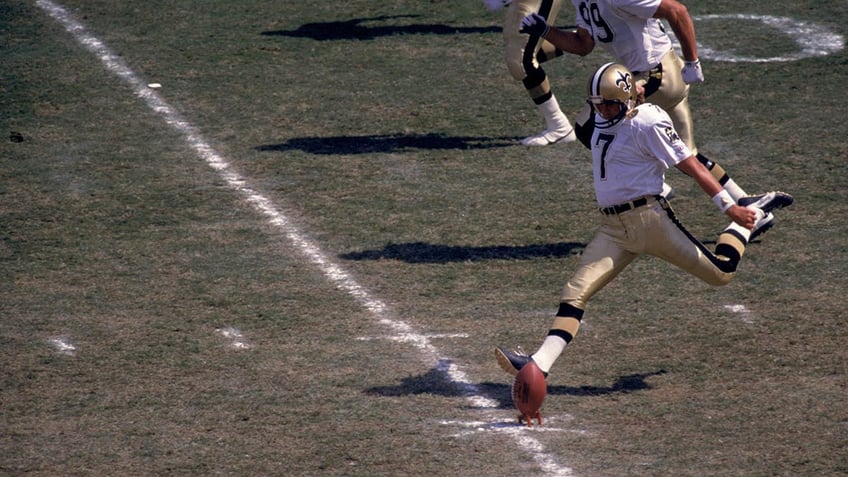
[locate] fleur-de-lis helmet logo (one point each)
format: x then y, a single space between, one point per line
624 81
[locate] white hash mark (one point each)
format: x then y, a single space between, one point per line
235 336
63 345
744 313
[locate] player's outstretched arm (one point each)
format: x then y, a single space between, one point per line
578 42
677 16
681 23
741 215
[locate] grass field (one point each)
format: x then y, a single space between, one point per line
296 256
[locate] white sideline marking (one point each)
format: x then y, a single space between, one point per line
63 345
335 273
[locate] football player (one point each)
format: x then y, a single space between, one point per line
632 32
632 146
524 53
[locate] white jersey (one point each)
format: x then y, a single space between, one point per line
630 158
626 29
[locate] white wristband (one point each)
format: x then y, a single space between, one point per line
723 201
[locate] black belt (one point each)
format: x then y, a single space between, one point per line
617 209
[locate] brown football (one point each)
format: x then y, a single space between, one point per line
528 392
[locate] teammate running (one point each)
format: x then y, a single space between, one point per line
633 33
523 55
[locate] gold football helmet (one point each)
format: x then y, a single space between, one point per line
612 83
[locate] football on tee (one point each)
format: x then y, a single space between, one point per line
528 392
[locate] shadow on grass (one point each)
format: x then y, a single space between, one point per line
438 382
421 252
354 30
386 143
623 385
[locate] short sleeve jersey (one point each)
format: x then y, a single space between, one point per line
630 158
626 29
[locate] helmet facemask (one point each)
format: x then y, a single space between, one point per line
612 83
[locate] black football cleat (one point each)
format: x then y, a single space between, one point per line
762 225
513 361
768 201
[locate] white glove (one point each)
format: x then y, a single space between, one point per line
534 24
495 5
692 72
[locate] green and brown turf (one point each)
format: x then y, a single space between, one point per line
386 131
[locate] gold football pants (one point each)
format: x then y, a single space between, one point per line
652 229
523 53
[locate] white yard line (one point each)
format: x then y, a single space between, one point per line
337 275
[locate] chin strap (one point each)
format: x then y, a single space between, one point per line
607 123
